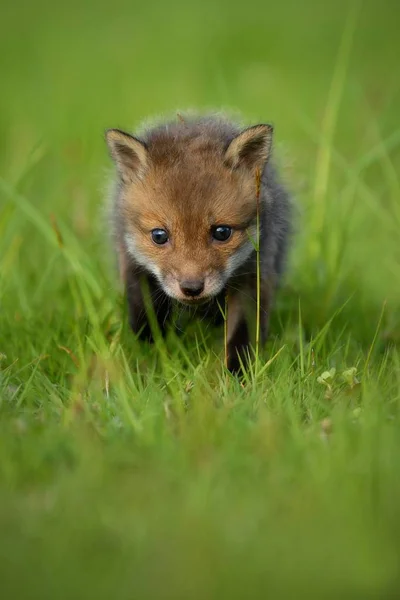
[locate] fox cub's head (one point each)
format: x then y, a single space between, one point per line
187 203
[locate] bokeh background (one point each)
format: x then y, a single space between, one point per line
107 487
325 73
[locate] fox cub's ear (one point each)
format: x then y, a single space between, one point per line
130 155
251 148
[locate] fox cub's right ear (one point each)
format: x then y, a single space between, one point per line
129 154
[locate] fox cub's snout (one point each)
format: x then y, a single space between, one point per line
185 213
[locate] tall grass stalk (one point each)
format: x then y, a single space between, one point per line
258 271
324 156
226 331
373 343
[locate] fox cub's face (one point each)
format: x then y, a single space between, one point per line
188 206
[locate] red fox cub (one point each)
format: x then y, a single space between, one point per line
185 214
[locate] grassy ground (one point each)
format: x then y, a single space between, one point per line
130 473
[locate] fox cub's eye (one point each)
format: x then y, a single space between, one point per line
222 233
159 236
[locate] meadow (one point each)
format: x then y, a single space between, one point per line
134 472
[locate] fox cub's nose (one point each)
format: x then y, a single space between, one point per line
192 287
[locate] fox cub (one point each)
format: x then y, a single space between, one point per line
185 219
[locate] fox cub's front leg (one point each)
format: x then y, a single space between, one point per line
138 316
267 287
237 334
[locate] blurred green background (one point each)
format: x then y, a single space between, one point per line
128 477
70 71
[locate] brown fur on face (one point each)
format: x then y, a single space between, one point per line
187 188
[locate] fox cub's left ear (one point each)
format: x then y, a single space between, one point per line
130 154
251 148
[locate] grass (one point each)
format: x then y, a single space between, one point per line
127 472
